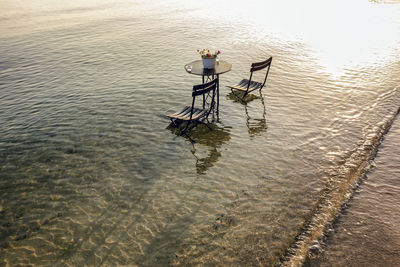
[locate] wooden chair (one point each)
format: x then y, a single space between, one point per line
195 114
247 85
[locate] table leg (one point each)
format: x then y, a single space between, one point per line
218 95
207 80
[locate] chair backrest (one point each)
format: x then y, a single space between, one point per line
259 66
203 90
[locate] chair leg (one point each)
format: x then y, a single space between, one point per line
176 123
206 125
187 127
185 134
241 98
184 129
233 92
173 123
193 125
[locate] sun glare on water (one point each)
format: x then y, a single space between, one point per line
342 33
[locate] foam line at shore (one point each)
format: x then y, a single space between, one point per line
338 191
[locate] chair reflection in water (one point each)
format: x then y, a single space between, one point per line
193 115
255 124
245 86
207 147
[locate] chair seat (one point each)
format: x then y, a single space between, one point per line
184 114
242 86
193 114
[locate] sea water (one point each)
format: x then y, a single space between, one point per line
91 173
367 231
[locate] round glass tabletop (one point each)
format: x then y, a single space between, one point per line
196 68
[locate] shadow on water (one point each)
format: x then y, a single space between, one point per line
121 238
87 240
131 217
255 126
206 145
212 140
205 140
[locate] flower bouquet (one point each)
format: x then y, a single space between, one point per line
208 57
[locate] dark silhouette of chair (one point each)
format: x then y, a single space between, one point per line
195 115
247 85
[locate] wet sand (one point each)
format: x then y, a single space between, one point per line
367 233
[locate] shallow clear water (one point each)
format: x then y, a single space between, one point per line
368 231
92 174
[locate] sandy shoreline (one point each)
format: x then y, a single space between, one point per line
367 233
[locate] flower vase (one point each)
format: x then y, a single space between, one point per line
209 63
